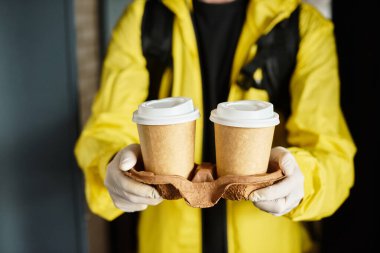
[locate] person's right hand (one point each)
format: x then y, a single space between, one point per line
126 193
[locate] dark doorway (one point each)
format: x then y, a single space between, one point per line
356 27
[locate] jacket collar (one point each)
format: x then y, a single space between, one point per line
262 16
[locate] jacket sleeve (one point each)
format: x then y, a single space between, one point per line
124 85
318 135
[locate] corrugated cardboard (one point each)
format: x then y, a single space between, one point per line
202 189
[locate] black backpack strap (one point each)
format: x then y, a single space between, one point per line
156 37
276 56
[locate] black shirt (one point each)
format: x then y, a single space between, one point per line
217 28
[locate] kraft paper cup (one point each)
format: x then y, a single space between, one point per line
166 130
243 136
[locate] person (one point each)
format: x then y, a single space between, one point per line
212 40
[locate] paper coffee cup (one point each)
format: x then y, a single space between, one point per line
243 136
167 134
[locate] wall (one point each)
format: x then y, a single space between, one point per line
89 64
41 192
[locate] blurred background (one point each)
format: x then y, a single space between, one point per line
50 59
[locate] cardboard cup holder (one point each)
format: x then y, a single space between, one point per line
203 188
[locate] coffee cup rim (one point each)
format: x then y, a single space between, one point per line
166 111
245 114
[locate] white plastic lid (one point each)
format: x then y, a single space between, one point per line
166 111
245 113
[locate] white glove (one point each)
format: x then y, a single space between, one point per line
283 196
126 193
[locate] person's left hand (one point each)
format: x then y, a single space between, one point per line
283 196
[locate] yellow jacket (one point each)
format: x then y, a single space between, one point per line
317 134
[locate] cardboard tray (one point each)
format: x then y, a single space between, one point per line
203 189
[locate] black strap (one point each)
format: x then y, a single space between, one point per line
276 56
156 37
